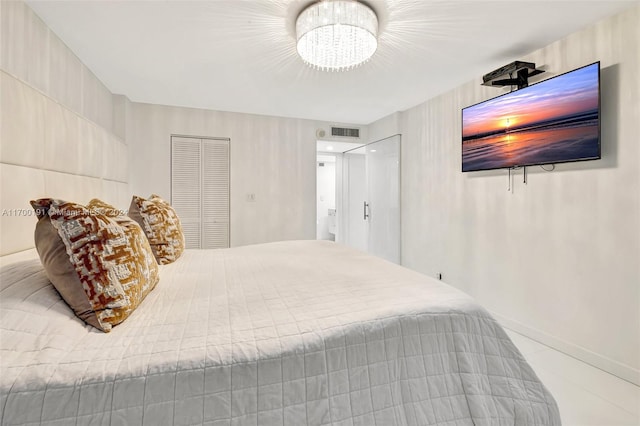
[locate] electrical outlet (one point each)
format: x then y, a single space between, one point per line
251 197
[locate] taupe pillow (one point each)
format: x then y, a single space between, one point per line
102 267
161 225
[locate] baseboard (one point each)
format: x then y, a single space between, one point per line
618 369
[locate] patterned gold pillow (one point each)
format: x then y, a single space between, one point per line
102 267
161 225
99 206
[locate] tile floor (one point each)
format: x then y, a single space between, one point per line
586 395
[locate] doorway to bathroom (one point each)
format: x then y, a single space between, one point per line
329 188
326 197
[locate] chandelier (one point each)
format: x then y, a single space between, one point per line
337 35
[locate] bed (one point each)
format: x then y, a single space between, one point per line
287 333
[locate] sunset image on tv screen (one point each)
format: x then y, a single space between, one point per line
554 121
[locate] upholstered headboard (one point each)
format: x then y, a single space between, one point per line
61 132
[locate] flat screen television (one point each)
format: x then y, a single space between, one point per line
553 121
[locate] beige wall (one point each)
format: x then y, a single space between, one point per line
57 135
559 258
63 134
271 157
385 127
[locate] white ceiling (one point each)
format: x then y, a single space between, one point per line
239 55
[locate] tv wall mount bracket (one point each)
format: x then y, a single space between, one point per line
516 73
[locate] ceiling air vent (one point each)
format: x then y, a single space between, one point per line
345 132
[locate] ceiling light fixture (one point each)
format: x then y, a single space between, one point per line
337 35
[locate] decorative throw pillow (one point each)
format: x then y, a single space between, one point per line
99 206
102 267
161 225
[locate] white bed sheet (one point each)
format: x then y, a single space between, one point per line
289 333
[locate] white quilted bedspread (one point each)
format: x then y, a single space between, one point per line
290 333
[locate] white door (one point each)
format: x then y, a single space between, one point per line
371 189
383 198
354 226
200 189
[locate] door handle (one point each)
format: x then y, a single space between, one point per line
366 207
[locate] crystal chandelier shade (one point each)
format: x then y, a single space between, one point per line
336 35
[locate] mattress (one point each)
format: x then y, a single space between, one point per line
288 333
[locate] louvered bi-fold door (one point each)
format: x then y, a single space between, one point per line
215 194
200 189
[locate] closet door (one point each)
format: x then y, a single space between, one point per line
383 198
185 187
215 194
200 189
354 192
371 198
